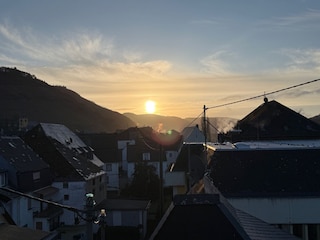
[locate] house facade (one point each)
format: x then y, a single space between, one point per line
76 171
146 145
105 147
25 172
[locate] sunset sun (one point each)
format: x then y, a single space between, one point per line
150 106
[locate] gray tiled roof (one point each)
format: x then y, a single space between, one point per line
19 155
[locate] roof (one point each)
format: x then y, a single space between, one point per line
267 168
63 135
265 145
191 160
209 216
104 145
80 163
20 155
274 121
12 232
123 204
192 134
46 191
73 159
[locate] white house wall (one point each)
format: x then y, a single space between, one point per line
123 146
281 210
21 215
77 199
171 156
113 177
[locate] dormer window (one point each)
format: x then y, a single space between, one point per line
36 176
146 156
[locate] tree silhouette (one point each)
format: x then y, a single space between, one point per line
145 183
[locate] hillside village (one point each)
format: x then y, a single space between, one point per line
259 181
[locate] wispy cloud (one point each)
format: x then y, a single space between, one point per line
306 17
303 58
217 63
79 52
311 17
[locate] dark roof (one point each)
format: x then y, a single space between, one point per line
267 169
170 140
210 216
68 156
191 160
84 167
272 120
19 155
123 204
12 232
105 145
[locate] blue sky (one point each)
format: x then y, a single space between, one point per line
180 54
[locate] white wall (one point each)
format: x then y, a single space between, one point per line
18 208
122 145
113 176
77 199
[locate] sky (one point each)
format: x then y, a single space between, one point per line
181 54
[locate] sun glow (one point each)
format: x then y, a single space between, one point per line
150 106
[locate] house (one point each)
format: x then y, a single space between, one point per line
24 171
76 170
273 121
146 145
276 181
270 169
126 213
192 134
106 149
208 215
188 169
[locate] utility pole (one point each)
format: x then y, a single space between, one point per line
161 180
205 132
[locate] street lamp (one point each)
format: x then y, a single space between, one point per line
101 220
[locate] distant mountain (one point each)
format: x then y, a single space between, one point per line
165 123
157 122
23 95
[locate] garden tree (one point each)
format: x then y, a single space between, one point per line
145 183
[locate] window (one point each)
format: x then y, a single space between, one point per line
3 179
36 176
93 181
29 204
146 156
39 225
66 197
107 179
109 167
65 185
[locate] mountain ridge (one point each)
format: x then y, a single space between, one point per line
23 95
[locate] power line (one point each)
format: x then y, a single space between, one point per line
265 94
41 200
